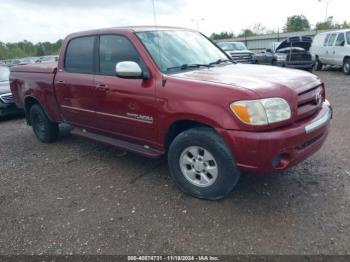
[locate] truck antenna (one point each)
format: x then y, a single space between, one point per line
156 25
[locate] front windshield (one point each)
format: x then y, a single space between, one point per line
172 49
4 74
238 46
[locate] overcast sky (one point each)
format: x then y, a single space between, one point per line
49 20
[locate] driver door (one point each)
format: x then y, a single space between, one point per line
125 107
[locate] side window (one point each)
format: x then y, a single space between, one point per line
332 39
80 55
340 40
326 40
348 37
115 49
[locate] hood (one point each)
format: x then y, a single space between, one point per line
5 87
297 41
239 52
257 78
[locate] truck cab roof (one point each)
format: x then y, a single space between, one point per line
127 29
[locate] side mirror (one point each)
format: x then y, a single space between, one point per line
130 69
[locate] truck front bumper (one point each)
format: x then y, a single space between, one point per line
296 64
277 150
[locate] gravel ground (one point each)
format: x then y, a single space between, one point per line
78 197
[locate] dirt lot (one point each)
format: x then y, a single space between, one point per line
79 197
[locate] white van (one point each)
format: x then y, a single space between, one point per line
332 48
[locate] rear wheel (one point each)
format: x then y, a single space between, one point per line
202 165
45 130
346 66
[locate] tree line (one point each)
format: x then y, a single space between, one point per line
294 23
27 49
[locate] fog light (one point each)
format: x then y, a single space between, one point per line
277 160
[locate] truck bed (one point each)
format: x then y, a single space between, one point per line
48 68
35 81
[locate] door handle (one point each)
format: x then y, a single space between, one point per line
61 81
102 87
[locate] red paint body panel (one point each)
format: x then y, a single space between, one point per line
142 111
260 148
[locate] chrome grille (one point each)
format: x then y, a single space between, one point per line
7 98
310 102
242 57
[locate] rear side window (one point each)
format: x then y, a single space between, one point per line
348 37
326 39
115 49
80 55
340 40
332 39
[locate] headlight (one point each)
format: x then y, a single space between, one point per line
262 111
281 57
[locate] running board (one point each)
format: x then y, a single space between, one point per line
138 149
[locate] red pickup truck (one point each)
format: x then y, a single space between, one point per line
170 91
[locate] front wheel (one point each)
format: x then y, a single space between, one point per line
202 165
318 65
45 130
346 66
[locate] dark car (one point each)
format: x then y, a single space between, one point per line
7 105
292 52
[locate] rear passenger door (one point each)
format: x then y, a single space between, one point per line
125 107
339 51
74 84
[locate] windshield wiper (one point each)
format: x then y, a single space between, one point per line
220 61
188 66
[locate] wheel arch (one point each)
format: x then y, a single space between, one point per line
180 126
29 101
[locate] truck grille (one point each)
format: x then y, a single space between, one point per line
310 101
299 57
242 57
7 98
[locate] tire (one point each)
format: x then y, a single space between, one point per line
318 65
346 66
45 130
202 165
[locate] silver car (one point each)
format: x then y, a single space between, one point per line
238 51
7 105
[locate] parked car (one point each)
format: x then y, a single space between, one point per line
211 117
47 59
7 105
332 48
26 61
21 61
238 51
14 62
292 53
